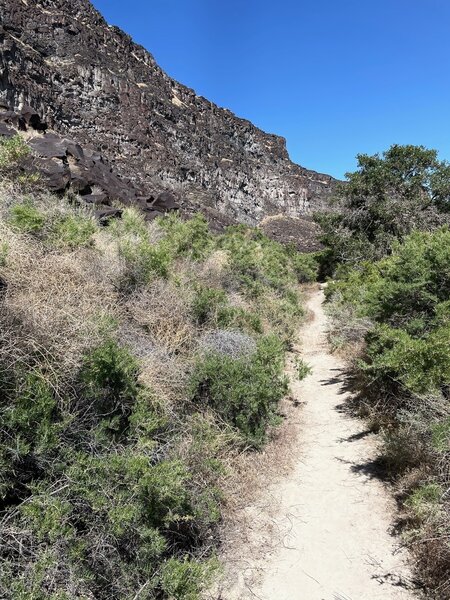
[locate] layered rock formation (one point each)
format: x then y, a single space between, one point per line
62 165
90 83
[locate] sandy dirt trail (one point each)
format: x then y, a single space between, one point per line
330 518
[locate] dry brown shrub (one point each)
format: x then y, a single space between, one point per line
163 309
111 264
432 551
347 330
59 298
166 375
214 270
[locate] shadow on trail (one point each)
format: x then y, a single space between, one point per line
353 407
355 437
344 378
372 469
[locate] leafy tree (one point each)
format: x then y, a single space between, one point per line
387 197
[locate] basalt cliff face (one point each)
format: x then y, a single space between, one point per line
90 84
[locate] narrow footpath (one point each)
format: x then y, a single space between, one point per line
331 516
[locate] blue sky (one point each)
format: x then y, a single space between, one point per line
334 77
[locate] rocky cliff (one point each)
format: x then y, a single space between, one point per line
88 81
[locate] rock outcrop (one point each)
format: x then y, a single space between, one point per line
62 165
91 85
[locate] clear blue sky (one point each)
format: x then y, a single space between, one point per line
334 77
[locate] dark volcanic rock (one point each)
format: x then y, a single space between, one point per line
303 233
63 164
64 68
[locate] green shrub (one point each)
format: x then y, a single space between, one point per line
424 501
109 378
244 391
206 304
27 218
406 295
12 153
131 492
132 222
190 238
47 516
256 261
149 418
29 431
284 315
441 436
302 369
233 317
306 266
421 365
145 260
31 414
74 231
185 579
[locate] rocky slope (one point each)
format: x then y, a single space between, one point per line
90 83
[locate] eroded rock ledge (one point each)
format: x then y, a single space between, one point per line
62 165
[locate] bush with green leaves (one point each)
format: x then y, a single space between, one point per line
207 303
257 262
31 425
53 221
101 487
148 259
190 238
302 369
385 199
109 376
244 391
13 151
73 230
182 578
406 297
27 218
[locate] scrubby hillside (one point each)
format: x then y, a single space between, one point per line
135 360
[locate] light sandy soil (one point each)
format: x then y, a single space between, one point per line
322 531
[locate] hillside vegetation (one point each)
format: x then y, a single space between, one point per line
390 307
136 360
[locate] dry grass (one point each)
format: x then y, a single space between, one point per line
166 375
214 270
347 331
163 310
59 298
